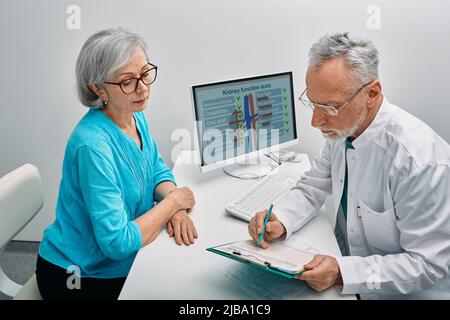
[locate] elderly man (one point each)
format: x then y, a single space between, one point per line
389 174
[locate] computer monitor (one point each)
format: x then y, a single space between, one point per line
238 120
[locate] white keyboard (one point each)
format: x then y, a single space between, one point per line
264 192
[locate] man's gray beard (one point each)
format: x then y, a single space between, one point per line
342 135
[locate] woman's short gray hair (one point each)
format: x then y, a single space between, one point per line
360 55
101 56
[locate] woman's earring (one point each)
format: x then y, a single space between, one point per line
105 102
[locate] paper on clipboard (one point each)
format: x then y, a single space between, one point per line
278 256
261 284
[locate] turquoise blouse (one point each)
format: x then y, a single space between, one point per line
107 182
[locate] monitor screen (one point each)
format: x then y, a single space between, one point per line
241 117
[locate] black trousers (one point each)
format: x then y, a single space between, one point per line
55 283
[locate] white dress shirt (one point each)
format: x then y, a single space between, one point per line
398 213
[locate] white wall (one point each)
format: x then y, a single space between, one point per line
199 41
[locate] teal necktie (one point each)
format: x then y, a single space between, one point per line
348 145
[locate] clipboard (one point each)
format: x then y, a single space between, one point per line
282 260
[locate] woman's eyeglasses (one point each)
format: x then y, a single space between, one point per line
129 85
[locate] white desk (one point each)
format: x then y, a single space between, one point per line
164 270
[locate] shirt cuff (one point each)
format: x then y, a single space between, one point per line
163 178
285 222
138 235
350 281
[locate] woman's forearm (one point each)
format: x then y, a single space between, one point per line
151 223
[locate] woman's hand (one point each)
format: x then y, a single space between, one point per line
183 198
182 227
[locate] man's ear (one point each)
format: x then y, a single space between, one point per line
374 91
100 92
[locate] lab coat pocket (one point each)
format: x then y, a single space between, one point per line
380 228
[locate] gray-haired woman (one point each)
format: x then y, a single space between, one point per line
112 175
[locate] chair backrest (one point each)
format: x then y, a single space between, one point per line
21 198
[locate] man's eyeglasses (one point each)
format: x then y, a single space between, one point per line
129 85
330 110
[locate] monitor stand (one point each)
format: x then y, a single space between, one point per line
247 170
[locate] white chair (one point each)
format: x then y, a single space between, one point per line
29 291
21 198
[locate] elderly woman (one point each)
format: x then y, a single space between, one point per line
112 176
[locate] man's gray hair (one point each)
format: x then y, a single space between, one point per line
360 55
101 56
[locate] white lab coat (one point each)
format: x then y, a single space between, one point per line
398 216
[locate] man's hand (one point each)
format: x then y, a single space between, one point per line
274 228
182 227
322 273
